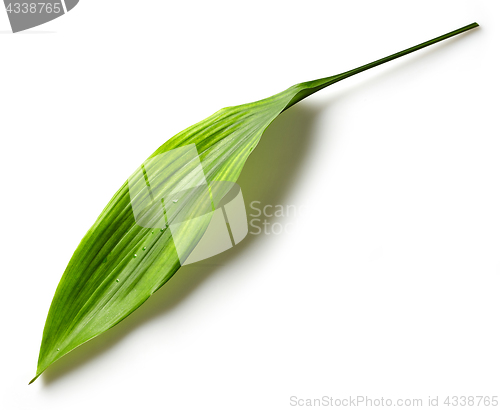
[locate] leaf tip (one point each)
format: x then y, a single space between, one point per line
34 378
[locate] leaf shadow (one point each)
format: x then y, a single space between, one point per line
268 176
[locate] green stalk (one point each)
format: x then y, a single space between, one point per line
325 82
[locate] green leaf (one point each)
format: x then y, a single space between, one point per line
130 251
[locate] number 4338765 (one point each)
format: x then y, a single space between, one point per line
471 401
33 8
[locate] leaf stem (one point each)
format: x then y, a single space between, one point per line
325 82
407 51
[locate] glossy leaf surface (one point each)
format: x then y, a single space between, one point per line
131 251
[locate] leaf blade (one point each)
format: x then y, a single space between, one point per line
119 263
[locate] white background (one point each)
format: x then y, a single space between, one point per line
388 286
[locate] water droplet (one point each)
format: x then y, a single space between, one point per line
57 349
152 233
144 248
161 229
118 280
135 255
175 200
